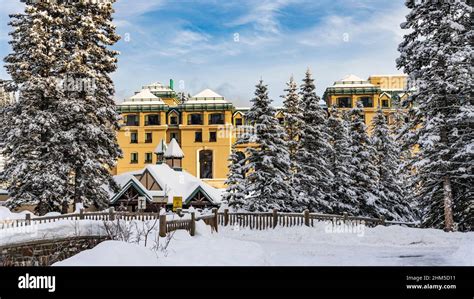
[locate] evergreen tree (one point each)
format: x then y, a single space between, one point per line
364 173
90 118
293 114
235 192
268 164
436 54
31 126
390 202
340 165
314 176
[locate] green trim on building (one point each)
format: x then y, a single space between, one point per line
205 107
141 108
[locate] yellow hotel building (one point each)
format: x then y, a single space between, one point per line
385 91
203 125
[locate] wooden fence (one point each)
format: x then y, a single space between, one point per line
257 221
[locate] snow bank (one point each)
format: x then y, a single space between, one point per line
113 253
6 214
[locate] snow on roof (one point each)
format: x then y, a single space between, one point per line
172 182
352 81
174 150
207 96
158 87
144 97
161 148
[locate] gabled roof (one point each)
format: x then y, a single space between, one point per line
161 148
174 183
352 81
144 97
174 150
158 87
207 96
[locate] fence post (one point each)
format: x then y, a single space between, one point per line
214 211
28 219
346 216
111 214
382 220
306 217
275 217
81 214
162 226
192 229
226 217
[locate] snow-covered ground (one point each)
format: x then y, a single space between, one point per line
298 246
321 245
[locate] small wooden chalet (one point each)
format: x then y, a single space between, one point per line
160 183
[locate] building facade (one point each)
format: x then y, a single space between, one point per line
205 125
385 91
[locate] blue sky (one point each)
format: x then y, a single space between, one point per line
229 45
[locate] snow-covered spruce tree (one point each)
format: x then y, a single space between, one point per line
235 192
89 116
390 202
340 165
293 115
436 54
363 173
267 164
314 175
31 127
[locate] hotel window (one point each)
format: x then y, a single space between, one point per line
368 102
385 104
173 120
195 119
174 136
206 164
134 158
148 137
148 158
344 102
238 122
152 120
132 120
198 137
133 137
212 136
217 119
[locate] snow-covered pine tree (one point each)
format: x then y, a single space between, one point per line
235 192
268 164
436 54
340 165
31 126
390 202
363 173
89 116
314 176
293 115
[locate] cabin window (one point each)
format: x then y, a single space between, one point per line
385 104
132 120
134 158
281 120
344 102
212 136
216 119
148 158
133 137
195 119
152 120
205 164
149 137
198 136
368 102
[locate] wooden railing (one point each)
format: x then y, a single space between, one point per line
257 221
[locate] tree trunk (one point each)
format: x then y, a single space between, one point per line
448 205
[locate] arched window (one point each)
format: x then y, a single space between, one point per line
205 164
